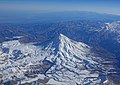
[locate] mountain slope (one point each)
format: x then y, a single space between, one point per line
60 61
81 63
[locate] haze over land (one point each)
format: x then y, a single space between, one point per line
22 9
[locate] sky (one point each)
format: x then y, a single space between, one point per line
36 6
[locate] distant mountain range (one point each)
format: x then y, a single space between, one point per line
19 17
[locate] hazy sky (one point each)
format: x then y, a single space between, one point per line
102 6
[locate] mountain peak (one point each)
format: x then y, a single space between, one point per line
61 35
63 38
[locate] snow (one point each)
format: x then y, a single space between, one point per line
113 26
73 61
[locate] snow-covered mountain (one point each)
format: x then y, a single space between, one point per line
114 27
60 61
